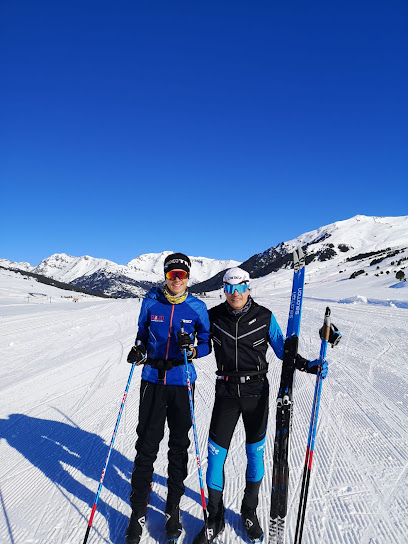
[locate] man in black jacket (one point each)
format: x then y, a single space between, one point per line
241 330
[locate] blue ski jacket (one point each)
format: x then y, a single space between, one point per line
159 323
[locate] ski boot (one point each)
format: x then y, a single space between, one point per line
252 527
215 527
135 528
173 523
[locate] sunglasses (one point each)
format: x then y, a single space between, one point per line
173 274
240 288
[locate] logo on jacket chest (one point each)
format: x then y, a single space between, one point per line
157 318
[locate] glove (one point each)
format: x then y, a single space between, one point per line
312 365
291 346
334 335
185 342
137 355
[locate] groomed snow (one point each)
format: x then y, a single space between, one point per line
63 372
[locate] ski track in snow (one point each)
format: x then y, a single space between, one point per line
63 372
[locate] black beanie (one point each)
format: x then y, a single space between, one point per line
177 261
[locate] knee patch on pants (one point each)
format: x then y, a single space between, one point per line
215 470
255 468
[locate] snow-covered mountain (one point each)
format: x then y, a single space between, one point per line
149 267
67 268
133 279
356 246
362 245
5 263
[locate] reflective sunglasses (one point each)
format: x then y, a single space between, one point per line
173 274
239 287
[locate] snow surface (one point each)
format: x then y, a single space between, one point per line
63 372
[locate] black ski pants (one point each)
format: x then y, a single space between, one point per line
253 406
158 403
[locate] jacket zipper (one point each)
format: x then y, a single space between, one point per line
168 338
236 343
236 352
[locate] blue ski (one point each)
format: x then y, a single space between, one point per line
280 473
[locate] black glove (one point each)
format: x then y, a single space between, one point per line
137 355
291 346
334 335
185 342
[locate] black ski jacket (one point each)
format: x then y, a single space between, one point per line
240 342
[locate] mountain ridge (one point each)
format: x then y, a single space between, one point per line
356 245
103 275
352 240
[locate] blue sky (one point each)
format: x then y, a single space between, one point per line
214 128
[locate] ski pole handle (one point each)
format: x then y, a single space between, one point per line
326 325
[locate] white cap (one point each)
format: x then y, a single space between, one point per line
235 276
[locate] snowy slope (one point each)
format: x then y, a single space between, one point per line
62 375
364 245
361 232
19 289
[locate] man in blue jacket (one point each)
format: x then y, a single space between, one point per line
163 393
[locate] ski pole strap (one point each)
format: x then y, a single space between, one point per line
334 335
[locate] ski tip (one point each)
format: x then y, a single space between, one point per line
301 256
298 258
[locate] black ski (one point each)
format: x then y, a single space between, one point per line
280 473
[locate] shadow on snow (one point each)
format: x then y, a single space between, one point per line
48 445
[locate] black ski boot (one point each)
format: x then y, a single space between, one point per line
173 523
252 527
215 527
134 530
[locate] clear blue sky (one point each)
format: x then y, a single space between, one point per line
217 128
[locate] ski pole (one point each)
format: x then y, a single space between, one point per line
200 474
312 432
109 454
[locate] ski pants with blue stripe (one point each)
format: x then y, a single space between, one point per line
226 413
